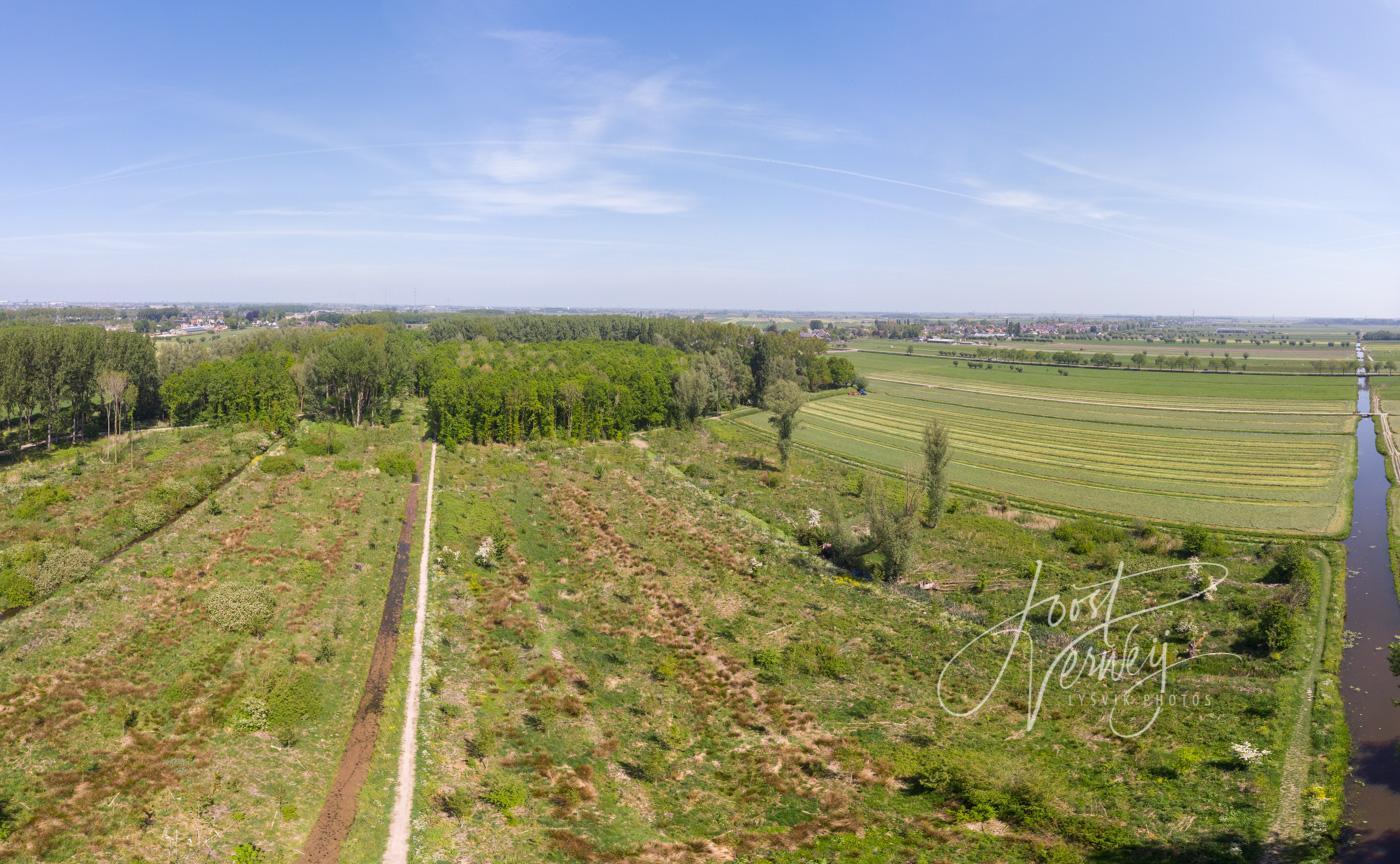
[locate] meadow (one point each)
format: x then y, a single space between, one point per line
194 694
1270 357
1254 454
644 665
63 511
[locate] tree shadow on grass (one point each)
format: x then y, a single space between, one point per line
752 463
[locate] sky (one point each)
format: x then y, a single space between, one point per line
1162 158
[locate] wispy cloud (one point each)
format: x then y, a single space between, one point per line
1174 193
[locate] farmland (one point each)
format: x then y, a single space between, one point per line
1247 357
1153 445
648 668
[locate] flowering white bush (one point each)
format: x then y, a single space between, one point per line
814 518
1248 753
447 555
486 552
1193 570
754 566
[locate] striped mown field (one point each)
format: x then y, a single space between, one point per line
1271 457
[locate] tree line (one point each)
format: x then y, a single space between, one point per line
501 377
63 381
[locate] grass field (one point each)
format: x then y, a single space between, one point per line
99 497
649 670
1262 358
195 693
1156 446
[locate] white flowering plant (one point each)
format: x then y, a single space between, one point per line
1248 754
486 552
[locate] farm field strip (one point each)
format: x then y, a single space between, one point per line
1220 456
1253 470
1073 474
1076 490
1194 422
1183 392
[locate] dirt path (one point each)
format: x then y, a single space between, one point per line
1104 404
338 813
396 851
1287 827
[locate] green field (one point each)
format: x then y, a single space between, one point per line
1151 445
61 512
1261 358
649 670
195 693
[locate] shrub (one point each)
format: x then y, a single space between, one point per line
395 463
241 608
454 802
854 484
63 565
247 853
279 464
147 515
348 465
1278 627
36 500
816 658
1293 565
699 471
505 792
16 590
1200 542
1084 535
293 701
174 494
251 715
323 445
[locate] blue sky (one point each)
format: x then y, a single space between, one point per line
1143 157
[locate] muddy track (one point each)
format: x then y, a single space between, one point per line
338 813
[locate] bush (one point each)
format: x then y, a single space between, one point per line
279 464
147 515
1084 535
395 463
1293 566
1200 542
241 608
1278 627
505 792
16 590
454 802
699 471
37 499
816 658
348 465
63 565
320 445
293 701
247 853
251 715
